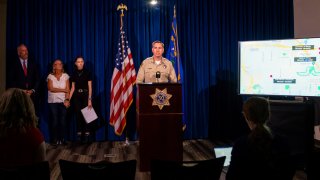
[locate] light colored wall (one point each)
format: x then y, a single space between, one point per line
3 21
306 18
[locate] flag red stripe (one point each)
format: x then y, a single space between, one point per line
122 93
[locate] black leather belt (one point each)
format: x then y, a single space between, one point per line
82 90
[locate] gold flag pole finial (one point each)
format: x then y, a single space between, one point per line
122 7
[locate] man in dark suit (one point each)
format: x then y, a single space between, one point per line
23 73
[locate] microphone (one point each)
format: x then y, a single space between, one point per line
158 74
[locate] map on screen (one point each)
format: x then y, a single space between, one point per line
288 67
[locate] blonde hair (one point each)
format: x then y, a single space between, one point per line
17 112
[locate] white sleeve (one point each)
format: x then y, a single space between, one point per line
49 77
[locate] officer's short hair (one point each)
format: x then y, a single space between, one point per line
157 41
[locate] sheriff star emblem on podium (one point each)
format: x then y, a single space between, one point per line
161 98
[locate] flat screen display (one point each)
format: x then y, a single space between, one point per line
288 67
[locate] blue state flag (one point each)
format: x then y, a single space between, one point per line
173 55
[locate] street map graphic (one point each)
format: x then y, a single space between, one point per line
280 67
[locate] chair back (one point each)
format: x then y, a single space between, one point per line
313 165
27 172
125 170
204 170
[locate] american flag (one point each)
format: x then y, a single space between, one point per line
123 79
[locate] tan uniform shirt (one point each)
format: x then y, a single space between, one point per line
148 69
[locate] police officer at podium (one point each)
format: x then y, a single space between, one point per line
156 69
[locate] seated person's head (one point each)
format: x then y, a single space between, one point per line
16 111
256 111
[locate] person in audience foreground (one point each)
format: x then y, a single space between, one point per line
21 142
261 154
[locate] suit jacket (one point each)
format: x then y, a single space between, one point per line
17 79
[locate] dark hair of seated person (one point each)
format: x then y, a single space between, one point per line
260 154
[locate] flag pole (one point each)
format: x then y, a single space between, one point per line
178 55
123 7
178 52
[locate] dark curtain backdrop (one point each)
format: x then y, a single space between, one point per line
209 31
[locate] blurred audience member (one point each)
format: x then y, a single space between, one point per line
261 154
21 142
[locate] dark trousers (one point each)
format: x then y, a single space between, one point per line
57 121
80 101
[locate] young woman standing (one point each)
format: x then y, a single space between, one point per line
81 94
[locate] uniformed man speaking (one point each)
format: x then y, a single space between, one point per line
156 69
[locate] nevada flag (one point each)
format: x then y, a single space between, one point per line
174 56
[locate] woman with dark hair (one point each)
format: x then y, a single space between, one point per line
21 142
261 154
58 93
81 94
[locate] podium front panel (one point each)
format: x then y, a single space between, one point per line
160 138
145 101
159 129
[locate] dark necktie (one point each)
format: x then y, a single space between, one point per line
25 68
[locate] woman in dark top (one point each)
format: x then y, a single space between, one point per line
81 93
261 154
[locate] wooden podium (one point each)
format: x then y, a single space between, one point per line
159 122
